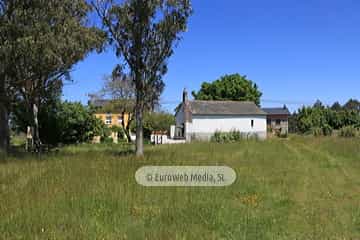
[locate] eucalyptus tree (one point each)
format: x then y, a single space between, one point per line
52 35
144 33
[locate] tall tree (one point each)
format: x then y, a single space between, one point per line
4 116
4 111
144 33
336 107
232 87
352 104
51 37
7 35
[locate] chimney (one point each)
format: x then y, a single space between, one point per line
185 96
186 105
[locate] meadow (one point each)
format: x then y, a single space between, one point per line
297 188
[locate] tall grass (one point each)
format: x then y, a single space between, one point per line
302 188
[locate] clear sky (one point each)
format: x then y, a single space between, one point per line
297 51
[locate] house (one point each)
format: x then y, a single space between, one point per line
278 119
201 119
109 115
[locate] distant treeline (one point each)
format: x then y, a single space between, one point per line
322 120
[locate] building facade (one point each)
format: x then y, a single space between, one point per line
199 120
277 120
110 116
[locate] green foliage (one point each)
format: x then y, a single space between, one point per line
220 137
322 120
317 131
229 87
352 104
120 132
157 121
64 122
40 43
107 140
78 124
336 106
327 130
348 131
231 137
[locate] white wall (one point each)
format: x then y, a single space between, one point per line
226 123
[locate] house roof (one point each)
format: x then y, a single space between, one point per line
277 111
111 106
224 108
99 102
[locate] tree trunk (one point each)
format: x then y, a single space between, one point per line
36 136
4 120
126 129
128 134
139 127
4 128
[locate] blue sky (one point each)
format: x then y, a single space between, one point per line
297 51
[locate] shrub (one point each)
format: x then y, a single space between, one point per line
349 131
319 116
120 132
327 130
61 123
235 136
157 121
316 131
232 136
217 137
76 123
107 140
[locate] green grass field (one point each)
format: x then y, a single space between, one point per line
301 188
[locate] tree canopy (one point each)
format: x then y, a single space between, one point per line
41 41
232 87
352 104
321 119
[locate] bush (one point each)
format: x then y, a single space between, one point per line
63 123
120 132
107 140
316 131
157 121
77 124
232 136
319 116
218 137
349 131
327 130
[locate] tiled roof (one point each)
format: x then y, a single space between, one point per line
224 108
276 111
99 102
